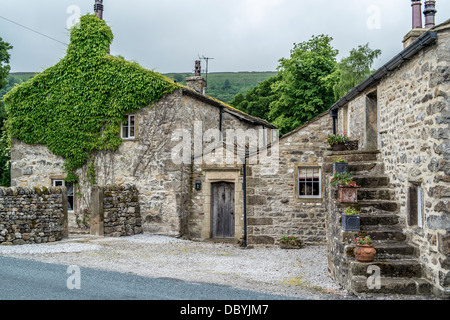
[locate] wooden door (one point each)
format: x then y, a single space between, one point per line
223 213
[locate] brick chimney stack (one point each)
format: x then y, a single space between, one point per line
98 8
430 14
416 14
197 83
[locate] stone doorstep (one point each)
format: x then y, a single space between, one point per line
403 286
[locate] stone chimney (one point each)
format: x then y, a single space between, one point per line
197 83
417 27
98 8
430 14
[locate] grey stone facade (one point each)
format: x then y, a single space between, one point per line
405 115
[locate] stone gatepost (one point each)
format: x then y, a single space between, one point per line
97 216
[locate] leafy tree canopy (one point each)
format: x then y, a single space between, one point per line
65 106
355 68
4 62
307 83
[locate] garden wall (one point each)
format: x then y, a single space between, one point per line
115 211
33 215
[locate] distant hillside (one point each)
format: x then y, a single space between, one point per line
221 85
226 85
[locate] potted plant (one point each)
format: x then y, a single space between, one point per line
351 219
364 251
337 141
290 242
348 189
340 165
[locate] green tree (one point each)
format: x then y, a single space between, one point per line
4 62
306 83
257 100
5 166
355 68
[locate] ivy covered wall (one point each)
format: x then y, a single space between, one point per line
75 107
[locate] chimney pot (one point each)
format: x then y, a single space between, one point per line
98 8
430 14
416 14
198 68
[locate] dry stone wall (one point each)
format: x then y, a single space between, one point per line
121 211
33 215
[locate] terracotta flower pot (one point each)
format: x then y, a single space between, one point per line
364 253
348 194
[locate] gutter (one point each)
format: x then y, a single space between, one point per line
423 41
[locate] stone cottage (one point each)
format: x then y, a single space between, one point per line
163 153
400 115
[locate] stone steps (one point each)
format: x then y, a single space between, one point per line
404 268
400 271
388 250
404 286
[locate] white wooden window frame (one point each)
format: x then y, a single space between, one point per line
63 183
299 181
128 128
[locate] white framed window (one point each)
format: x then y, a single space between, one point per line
309 182
128 127
70 191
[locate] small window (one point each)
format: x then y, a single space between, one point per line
415 195
309 182
70 191
128 127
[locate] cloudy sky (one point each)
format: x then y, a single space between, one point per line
241 35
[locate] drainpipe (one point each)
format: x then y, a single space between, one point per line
244 187
334 114
221 119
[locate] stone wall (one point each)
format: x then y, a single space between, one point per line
274 208
33 215
121 211
415 145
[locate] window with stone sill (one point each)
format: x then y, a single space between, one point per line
128 127
309 182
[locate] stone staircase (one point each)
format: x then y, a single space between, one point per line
400 270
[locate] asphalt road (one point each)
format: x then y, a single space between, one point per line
22 279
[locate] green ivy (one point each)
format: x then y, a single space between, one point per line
75 108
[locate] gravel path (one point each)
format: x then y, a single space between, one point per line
293 273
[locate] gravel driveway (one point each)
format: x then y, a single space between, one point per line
293 273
